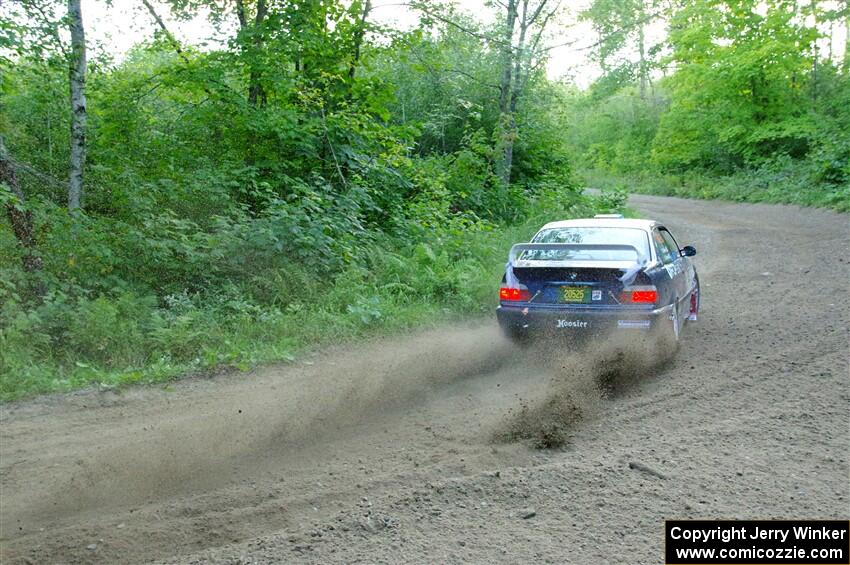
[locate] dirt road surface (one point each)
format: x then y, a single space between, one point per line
396 451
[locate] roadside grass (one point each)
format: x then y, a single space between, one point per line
123 338
784 186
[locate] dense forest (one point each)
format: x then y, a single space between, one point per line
746 100
318 175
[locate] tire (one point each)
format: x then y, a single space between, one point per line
517 336
670 331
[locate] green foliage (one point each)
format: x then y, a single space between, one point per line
744 93
450 269
752 111
317 178
783 182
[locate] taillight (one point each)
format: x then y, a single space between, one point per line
644 296
640 295
514 294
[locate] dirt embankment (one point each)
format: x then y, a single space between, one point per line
404 449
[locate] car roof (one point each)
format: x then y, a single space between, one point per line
646 225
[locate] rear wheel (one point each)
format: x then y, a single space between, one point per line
670 327
519 336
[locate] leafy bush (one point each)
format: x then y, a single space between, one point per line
234 299
356 195
784 181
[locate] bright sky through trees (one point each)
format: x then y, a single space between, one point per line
117 25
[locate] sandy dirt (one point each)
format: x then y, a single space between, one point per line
422 448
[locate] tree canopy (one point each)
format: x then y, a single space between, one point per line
743 85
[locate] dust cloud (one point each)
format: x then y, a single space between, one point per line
581 377
166 444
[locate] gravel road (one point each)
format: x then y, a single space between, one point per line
401 450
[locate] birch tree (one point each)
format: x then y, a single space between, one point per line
518 39
845 61
522 52
77 80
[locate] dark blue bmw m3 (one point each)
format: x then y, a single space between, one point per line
599 276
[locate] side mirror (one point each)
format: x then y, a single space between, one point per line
688 251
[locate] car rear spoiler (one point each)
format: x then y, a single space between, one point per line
515 255
629 269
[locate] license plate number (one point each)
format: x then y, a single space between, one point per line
574 293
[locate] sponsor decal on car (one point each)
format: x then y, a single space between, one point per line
673 268
633 323
571 324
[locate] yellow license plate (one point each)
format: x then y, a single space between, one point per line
573 293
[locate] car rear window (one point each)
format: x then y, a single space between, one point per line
615 236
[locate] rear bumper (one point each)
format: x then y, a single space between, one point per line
577 322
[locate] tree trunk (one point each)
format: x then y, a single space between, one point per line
845 63
642 74
19 216
358 38
831 38
505 142
814 7
256 92
516 91
171 39
77 76
507 57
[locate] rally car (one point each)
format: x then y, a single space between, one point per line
596 276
